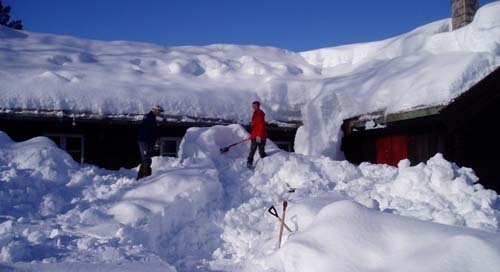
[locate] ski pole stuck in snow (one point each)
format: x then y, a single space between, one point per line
273 211
282 223
226 149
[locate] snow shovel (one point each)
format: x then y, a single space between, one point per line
273 211
282 223
226 149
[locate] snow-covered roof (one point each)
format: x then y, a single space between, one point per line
55 73
428 66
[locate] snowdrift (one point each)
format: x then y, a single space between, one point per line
431 65
345 236
206 211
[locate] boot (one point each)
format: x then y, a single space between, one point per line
140 173
147 171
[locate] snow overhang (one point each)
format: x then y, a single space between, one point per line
88 117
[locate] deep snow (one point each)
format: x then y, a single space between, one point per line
206 211
431 65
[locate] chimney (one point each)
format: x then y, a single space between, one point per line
462 12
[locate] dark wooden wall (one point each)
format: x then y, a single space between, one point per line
425 139
108 144
477 145
473 145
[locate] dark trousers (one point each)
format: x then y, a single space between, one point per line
253 148
146 150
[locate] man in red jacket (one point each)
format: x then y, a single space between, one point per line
258 134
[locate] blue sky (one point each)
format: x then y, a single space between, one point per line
290 24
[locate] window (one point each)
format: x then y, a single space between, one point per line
287 146
169 146
73 144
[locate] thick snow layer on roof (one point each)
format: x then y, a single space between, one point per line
425 67
430 65
51 72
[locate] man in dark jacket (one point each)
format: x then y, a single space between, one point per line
148 135
258 136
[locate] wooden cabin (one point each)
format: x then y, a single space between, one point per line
464 131
111 142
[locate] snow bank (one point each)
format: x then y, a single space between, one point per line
53 210
170 213
437 191
206 210
33 172
345 236
204 144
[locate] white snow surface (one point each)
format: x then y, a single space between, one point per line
430 65
205 211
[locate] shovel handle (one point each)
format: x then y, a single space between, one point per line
226 149
273 211
285 204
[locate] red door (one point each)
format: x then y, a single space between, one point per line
391 149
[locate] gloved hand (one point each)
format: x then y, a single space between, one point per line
258 139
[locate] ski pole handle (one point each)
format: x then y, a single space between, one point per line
285 204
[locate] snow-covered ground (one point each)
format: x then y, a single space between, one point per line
431 65
206 211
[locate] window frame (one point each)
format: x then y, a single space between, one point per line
162 147
63 143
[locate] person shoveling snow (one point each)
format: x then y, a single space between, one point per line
148 137
258 135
